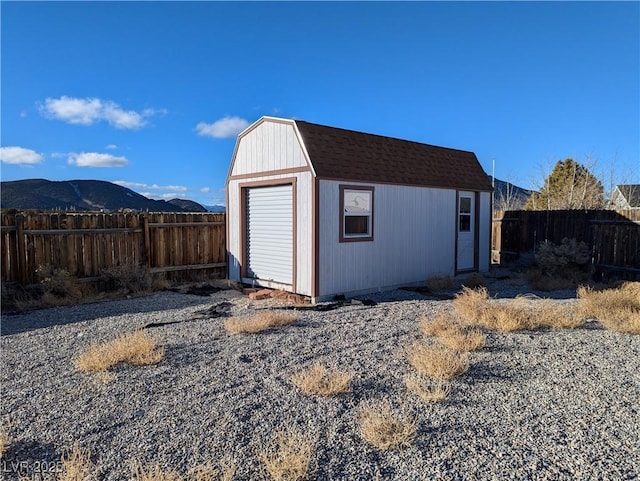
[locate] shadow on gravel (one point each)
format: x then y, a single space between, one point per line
25 459
56 316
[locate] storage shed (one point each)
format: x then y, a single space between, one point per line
322 211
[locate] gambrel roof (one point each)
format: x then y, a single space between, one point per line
347 155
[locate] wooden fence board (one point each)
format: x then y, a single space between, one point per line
177 244
613 236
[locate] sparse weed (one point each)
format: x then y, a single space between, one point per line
288 459
4 441
452 334
383 428
259 322
202 472
137 348
128 276
317 379
76 465
617 309
437 362
428 390
549 313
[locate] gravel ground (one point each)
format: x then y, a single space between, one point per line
544 404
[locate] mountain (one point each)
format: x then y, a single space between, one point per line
83 195
508 196
215 208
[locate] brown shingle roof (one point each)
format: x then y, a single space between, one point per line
359 157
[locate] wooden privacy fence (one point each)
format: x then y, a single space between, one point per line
613 236
186 245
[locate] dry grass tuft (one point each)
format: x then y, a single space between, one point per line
513 315
439 283
384 428
259 322
452 334
289 458
203 472
437 362
436 326
551 314
317 379
76 465
137 348
4 441
470 304
155 473
617 309
463 339
474 280
427 389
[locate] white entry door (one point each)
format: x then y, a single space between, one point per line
269 235
466 230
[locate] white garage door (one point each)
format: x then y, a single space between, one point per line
270 234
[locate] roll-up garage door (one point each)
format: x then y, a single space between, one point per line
270 233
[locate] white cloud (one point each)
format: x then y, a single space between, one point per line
88 111
140 185
20 155
205 189
111 147
94 159
222 128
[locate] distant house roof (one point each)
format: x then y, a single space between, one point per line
359 157
630 193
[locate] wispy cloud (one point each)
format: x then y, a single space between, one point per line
87 111
225 127
20 156
140 185
205 189
111 147
95 159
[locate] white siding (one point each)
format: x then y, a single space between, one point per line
269 146
484 242
414 239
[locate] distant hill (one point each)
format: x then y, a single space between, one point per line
215 208
84 195
508 196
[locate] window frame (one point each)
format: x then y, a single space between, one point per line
467 215
343 189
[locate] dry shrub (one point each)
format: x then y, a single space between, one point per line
259 322
617 309
384 428
289 457
452 334
463 339
137 348
541 281
428 390
154 473
437 362
474 280
513 315
127 276
470 304
552 314
439 283
317 379
76 465
4 441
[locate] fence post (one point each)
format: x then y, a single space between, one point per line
147 242
20 247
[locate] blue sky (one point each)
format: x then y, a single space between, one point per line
152 95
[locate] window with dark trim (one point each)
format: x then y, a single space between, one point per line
356 213
464 224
